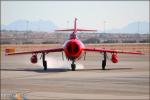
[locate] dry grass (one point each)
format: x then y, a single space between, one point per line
143 47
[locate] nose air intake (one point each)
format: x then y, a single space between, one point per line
73 48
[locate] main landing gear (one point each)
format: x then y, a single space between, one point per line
104 61
44 61
73 66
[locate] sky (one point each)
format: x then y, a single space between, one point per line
90 14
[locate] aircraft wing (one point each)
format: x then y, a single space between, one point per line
111 51
38 51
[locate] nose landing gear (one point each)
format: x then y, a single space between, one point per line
73 66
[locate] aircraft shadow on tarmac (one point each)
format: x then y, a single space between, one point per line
39 70
105 69
49 70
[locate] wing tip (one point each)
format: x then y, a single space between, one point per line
140 52
9 51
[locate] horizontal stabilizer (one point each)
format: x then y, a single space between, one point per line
86 30
81 30
65 30
75 30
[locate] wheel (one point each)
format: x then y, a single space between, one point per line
73 67
45 65
103 64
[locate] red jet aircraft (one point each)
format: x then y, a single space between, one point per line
74 49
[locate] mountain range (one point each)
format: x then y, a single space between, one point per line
24 25
48 26
135 27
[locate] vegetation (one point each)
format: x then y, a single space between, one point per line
22 37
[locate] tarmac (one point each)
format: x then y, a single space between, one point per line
128 79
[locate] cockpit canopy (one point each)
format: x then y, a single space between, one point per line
73 36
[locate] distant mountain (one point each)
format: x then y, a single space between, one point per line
23 25
48 26
135 27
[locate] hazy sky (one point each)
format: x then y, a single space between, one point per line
92 14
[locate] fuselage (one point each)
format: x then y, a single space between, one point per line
73 48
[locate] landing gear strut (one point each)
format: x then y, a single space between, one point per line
104 61
73 66
44 61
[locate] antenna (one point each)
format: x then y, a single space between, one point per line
104 26
138 26
27 28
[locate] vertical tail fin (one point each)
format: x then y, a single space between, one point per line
75 25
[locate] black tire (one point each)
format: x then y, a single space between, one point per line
45 65
103 64
73 67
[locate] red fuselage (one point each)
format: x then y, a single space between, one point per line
73 49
